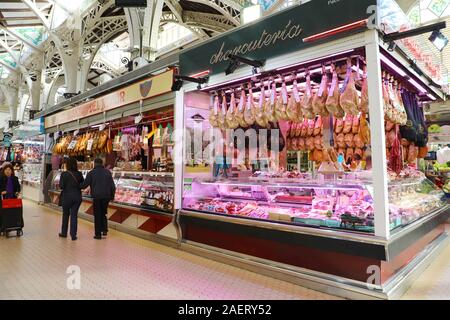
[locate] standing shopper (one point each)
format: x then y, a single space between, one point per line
9 189
71 199
9 183
103 191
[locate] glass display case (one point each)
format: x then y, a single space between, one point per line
32 174
145 190
345 203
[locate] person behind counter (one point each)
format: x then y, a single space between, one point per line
9 183
70 197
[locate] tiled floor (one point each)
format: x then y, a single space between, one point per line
121 267
125 267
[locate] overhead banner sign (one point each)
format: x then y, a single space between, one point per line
142 90
285 32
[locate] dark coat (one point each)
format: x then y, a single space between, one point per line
70 186
101 182
3 181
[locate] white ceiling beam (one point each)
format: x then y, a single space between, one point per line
7 66
15 35
39 11
176 9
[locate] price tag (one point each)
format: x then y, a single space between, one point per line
72 144
89 144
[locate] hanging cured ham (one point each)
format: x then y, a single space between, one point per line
309 143
395 159
270 110
297 129
311 126
364 130
301 144
349 140
213 113
293 108
249 116
357 141
332 104
355 125
339 126
364 104
260 115
304 128
281 104
318 127
348 124
239 114
232 122
318 142
307 99
222 114
320 98
349 99
340 140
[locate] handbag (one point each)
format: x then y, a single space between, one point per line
11 203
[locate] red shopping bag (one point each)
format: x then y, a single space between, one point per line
11 203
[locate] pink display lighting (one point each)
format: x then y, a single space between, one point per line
392 65
314 60
418 86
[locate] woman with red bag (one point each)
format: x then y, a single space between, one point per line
10 189
9 183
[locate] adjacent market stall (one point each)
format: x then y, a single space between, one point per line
131 130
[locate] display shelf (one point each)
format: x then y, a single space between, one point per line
137 189
144 173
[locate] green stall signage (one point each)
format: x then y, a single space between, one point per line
281 33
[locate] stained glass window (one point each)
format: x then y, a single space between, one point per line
414 15
438 6
425 11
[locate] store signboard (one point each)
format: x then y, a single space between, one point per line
281 33
142 90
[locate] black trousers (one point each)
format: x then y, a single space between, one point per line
100 216
70 210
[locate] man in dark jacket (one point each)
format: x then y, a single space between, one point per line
103 191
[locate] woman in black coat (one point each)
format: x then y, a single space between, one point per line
9 183
71 198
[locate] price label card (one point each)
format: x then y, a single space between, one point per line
89 144
72 144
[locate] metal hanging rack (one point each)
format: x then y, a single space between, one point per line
277 75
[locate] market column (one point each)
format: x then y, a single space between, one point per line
152 18
378 136
11 94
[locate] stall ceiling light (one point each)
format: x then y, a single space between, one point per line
317 59
347 27
200 74
439 40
